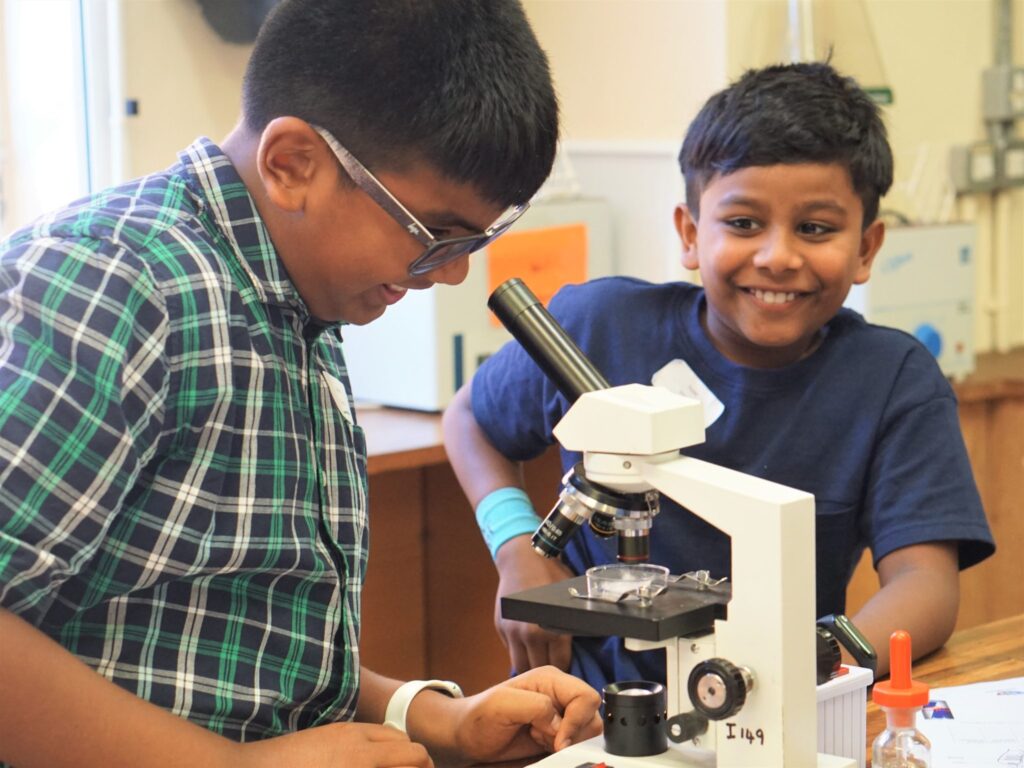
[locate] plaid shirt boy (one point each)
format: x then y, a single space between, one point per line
182 484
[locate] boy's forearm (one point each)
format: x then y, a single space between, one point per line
920 592
55 711
375 692
479 466
427 720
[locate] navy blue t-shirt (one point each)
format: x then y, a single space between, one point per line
867 424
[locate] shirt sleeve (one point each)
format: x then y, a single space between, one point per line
921 488
83 380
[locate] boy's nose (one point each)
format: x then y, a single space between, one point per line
780 253
452 273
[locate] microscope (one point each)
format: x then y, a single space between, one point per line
741 677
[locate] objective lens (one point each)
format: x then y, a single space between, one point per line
634 546
607 511
602 524
560 524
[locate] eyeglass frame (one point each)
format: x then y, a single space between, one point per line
427 261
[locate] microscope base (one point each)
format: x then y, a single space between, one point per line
676 756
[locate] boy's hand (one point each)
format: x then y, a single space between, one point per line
529 646
542 710
353 745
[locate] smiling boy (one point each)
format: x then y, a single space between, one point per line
784 171
183 522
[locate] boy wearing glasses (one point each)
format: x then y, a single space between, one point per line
183 523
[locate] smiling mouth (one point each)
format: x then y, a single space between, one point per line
774 297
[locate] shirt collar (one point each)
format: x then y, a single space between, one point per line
223 197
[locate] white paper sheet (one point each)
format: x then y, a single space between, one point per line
976 726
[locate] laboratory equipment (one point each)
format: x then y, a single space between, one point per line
630 515
900 745
635 713
922 282
740 658
616 582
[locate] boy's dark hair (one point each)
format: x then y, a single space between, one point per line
793 113
460 84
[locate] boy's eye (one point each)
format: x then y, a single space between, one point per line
815 228
743 223
439 233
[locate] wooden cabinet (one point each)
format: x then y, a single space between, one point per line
428 603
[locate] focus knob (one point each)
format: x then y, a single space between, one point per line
718 688
829 655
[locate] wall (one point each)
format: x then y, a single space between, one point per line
630 75
647 85
631 70
186 79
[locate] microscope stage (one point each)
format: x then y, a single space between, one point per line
679 611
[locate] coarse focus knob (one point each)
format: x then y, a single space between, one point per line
718 688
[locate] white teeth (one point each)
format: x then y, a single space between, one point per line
773 297
395 288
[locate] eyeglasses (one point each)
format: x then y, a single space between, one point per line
438 252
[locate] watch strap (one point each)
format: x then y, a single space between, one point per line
398 705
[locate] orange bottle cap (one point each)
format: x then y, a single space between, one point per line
900 690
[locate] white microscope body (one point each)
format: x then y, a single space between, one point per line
630 437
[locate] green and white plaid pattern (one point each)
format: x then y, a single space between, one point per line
182 488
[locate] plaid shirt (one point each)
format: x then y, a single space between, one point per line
182 485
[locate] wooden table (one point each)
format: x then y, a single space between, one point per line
993 651
397 439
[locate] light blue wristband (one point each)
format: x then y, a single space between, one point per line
504 514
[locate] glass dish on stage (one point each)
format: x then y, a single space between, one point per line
621 580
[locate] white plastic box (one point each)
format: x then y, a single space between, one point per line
842 715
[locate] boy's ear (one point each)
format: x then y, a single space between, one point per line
686 226
870 242
288 157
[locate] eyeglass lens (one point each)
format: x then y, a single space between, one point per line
445 251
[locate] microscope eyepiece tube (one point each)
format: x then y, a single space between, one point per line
635 718
521 312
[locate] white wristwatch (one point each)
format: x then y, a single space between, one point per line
398 706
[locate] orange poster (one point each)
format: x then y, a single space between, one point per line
545 259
